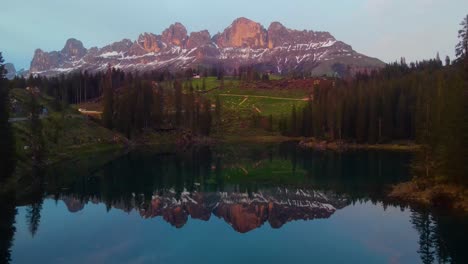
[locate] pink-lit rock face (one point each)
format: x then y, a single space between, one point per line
245 42
198 39
176 34
243 33
150 42
43 61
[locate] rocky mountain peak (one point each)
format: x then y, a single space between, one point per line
277 35
176 34
243 32
43 61
150 42
197 39
244 42
73 48
276 26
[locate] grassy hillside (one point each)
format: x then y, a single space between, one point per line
245 99
242 102
66 133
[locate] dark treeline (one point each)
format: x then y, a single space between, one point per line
377 107
7 142
7 166
133 104
81 86
78 87
423 102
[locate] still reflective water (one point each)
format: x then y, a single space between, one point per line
264 204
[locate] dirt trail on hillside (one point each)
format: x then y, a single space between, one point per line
266 97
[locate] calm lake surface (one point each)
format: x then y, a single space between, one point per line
231 204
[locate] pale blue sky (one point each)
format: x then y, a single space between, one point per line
385 29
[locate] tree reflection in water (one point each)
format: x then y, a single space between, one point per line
7 222
246 187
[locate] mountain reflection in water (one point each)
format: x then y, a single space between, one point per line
243 211
250 188
245 187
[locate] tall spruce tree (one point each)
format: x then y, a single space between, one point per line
178 103
33 217
158 107
35 126
108 99
7 142
218 110
204 84
461 50
293 126
7 224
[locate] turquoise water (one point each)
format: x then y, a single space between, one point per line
263 204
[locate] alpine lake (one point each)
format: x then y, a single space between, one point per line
264 203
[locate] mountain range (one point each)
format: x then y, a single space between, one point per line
244 43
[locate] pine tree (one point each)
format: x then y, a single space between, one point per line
204 84
451 151
7 142
139 114
189 107
197 115
461 49
108 99
401 115
221 83
124 110
339 119
35 125
178 103
33 217
7 224
438 60
293 126
218 110
158 107
372 118
147 103
205 119
362 117
270 123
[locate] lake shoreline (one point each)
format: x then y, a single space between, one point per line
176 140
427 193
311 143
403 192
417 192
